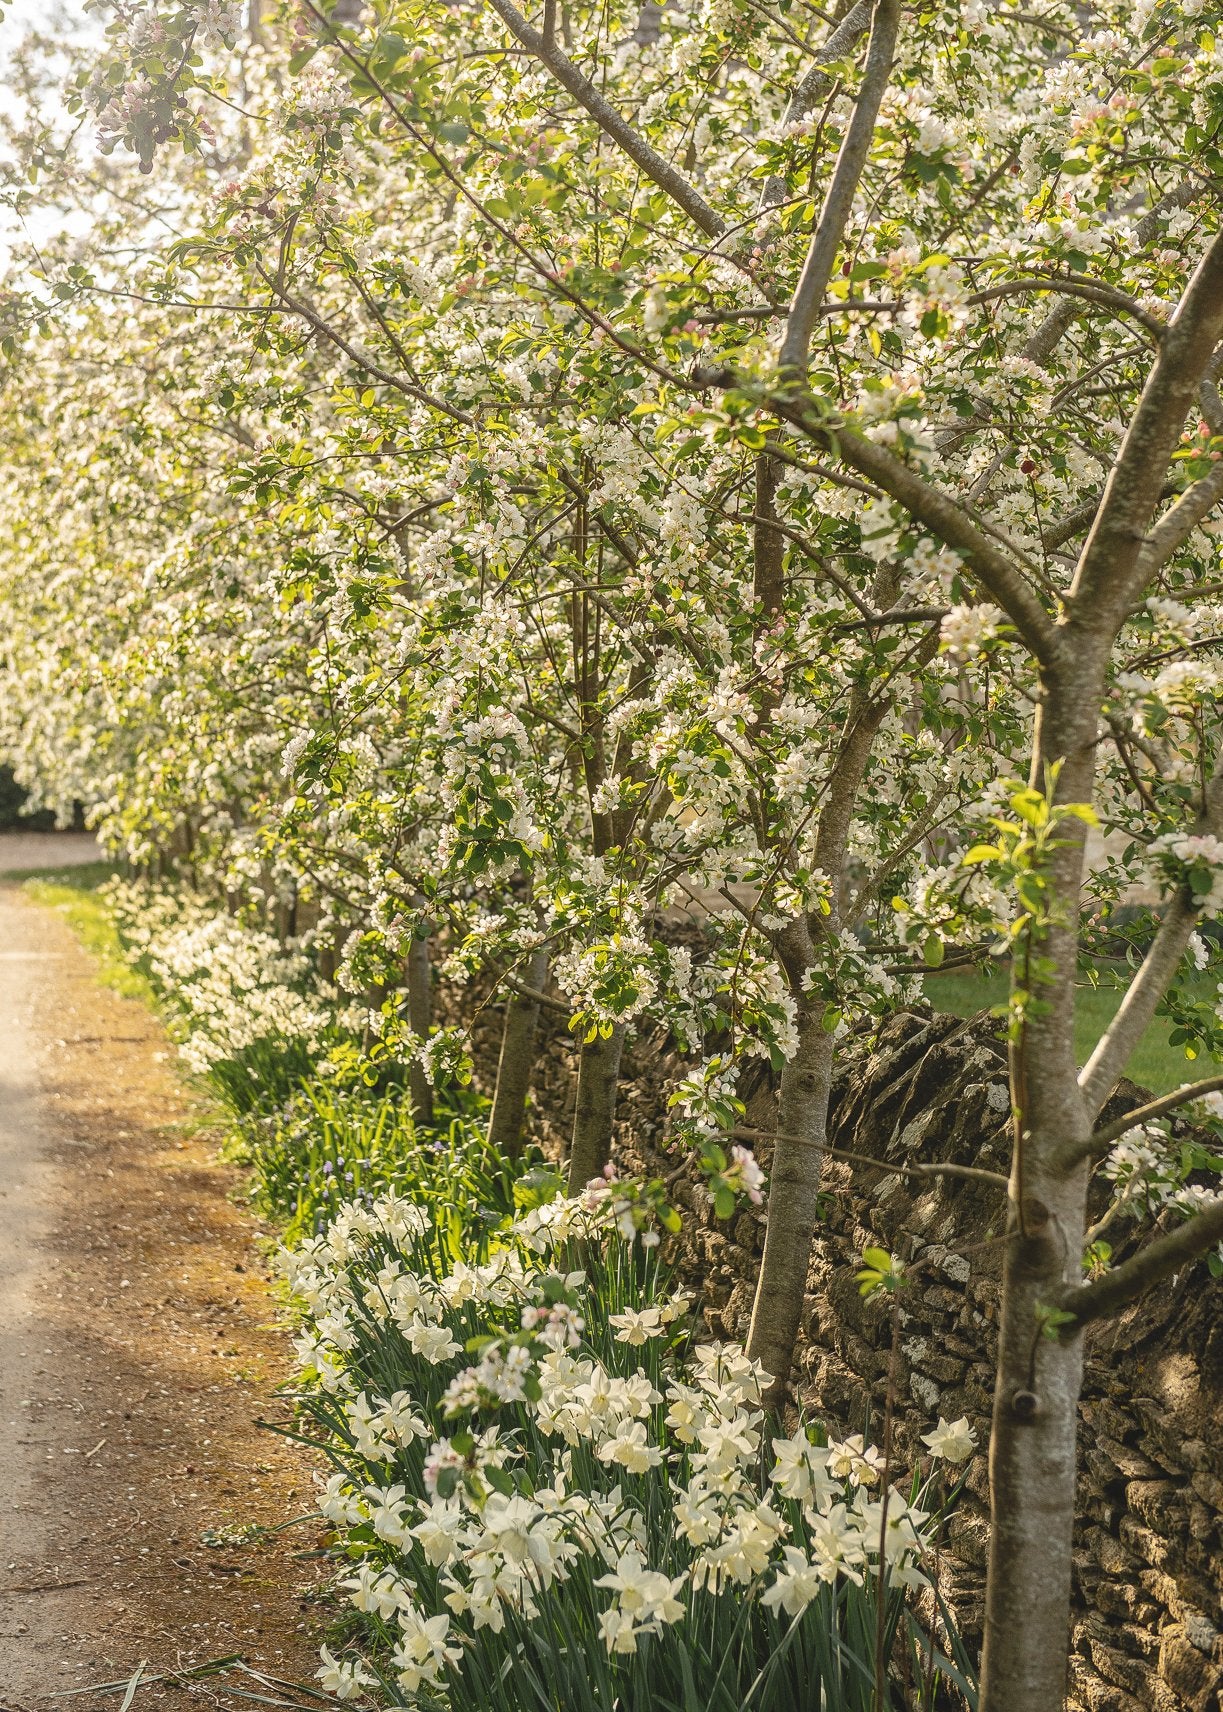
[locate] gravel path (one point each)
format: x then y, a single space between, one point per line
23 852
136 1356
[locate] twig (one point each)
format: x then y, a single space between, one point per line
212 1667
1103 1138
535 996
46 1586
1115 1290
851 161
974 1173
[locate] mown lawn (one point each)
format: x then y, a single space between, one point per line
1156 1064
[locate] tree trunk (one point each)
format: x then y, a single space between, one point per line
420 1013
598 1079
1038 1378
802 1124
1032 1462
516 1063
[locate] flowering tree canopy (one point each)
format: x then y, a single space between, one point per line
502 479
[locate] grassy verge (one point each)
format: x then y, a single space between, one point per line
73 893
1156 1064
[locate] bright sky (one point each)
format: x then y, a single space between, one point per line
64 18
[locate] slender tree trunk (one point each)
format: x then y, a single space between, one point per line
286 917
1032 1462
599 1065
516 1062
420 1015
794 1186
1033 1465
598 1079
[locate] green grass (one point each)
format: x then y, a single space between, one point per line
1156 1064
73 892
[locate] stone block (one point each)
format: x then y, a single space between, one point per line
1109 1553
1125 1459
1209 1488
1188 1672
1158 1503
1121 1669
1144 1544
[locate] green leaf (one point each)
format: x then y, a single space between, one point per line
500 1480
1051 1320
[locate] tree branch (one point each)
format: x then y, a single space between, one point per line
1065 528
816 80
1115 1290
535 996
1099 1143
325 330
609 119
1099 1075
998 574
1111 569
1180 196
1092 291
851 162
1178 523
973 1173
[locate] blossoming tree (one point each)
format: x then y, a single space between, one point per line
622 461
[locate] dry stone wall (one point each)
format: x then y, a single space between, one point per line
1149 1547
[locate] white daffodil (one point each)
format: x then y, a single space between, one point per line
953 1441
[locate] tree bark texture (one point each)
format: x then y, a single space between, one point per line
794 1188
1039 1369
593 1118
516 1063
420 1015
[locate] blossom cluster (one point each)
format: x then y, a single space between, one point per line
596 1462
235 986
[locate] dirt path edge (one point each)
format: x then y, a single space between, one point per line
138 1351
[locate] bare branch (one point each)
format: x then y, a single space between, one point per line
1099 1075
816 80
1116 1290
1208 395
324 329
851 162
1090 290
1066 528
1180 196
897 615
535 996
973 1173
1111 569
1180 520
1056 324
